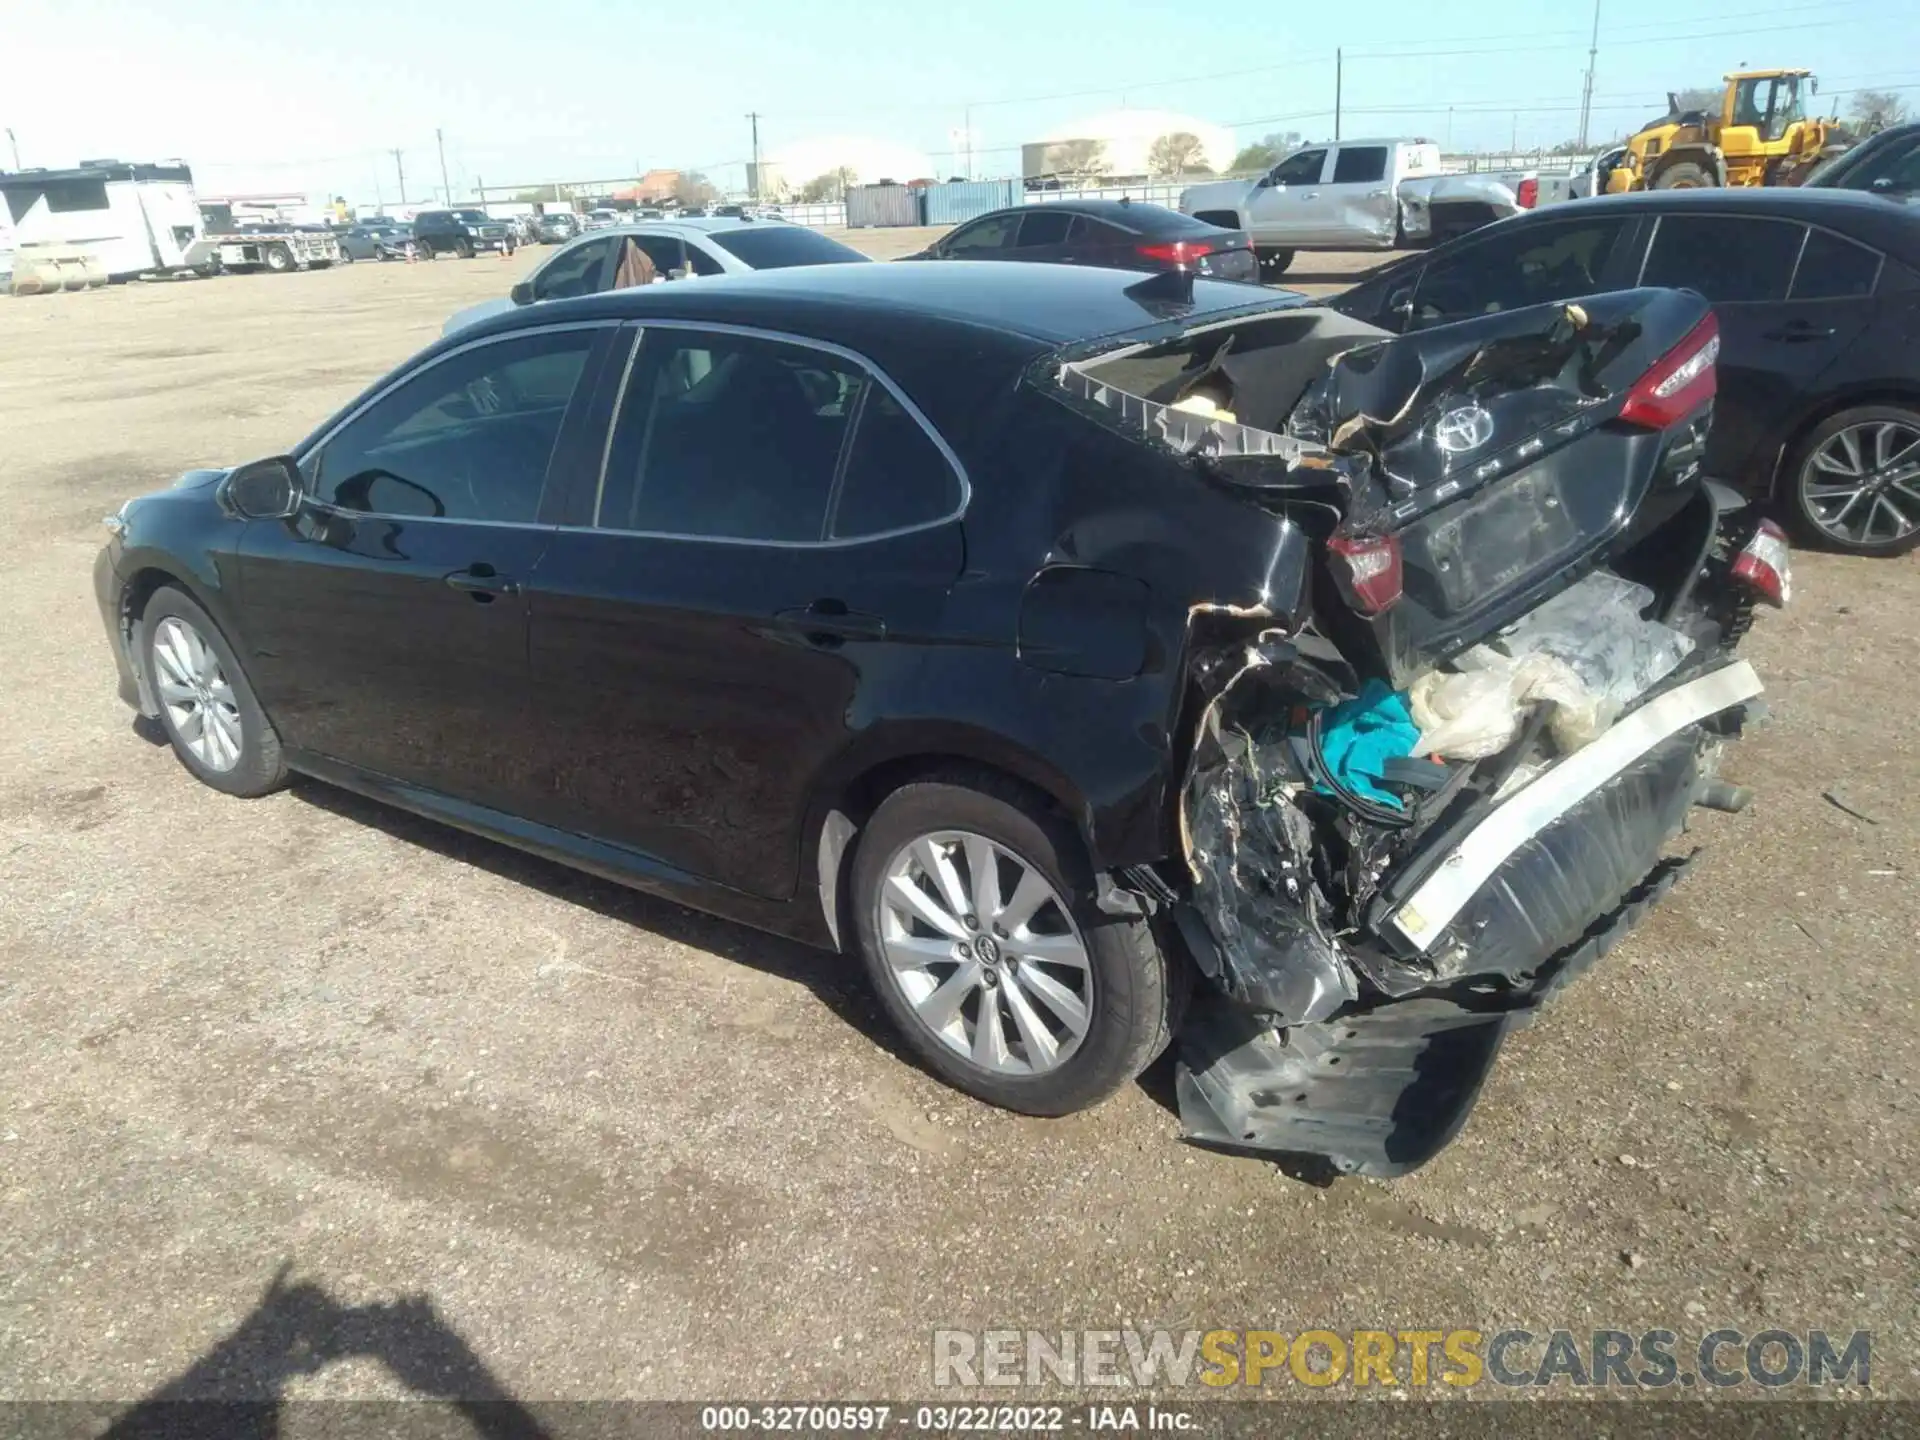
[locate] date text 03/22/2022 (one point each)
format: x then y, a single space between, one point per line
948 1419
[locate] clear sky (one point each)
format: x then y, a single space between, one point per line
313 97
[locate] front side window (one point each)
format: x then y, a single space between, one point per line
1360 165
466 439
728 436
572 272
1730 260
987 234
1516 267
1301 169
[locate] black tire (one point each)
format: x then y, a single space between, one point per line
1274 263
1686 175
1798 472
278 258
260 767
464 249
1132 998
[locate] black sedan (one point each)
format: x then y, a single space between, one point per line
1118 234
1818 296
373 240
1886 164
878 606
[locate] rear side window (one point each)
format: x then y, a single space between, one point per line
1730 260
1043 227
1832 268
1356 165
896 476
728 436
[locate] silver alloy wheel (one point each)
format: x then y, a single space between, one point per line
985 952
195 695
1863 485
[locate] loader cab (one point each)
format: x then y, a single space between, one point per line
1770 105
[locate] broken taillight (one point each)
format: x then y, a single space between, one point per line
1527 194
1179 252
1683 380
1763 565
1367 570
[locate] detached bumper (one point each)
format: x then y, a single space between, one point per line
1503 915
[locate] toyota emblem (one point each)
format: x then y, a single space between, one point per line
1462 430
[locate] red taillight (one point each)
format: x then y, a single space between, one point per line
1528 194
1685 378
1762 564
1180 252
1367 569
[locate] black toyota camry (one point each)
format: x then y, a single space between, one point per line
1011 626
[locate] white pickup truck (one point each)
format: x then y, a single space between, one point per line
1341 196
1448 205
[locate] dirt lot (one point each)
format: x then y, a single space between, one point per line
617 1149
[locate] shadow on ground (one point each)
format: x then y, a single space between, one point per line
238 1388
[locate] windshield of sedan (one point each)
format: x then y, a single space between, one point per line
776 247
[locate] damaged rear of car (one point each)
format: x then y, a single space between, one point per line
1441 777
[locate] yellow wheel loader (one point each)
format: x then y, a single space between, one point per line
1761 136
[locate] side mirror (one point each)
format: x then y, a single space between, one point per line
264 489
521 294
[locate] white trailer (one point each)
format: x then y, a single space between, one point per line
116 218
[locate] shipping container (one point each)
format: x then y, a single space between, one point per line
963 199
869 206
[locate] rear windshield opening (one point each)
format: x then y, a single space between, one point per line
1245 375
778 247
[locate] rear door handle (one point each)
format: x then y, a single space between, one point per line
1799 332
830 623
482 584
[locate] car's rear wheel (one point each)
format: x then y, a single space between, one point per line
279 259
974 913
214 722
1856 481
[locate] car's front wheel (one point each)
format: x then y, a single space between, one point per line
1856 481
1274 263
974 912
214 722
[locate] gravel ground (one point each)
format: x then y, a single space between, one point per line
511 1122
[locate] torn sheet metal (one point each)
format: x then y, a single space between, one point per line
1264 921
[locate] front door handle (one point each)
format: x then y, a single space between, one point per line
481 583
828 623
1799 332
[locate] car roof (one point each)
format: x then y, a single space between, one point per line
1140 215
1054 305
1855 212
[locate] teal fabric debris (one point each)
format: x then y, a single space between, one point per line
1358 737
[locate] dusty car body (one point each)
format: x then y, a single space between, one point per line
1138 539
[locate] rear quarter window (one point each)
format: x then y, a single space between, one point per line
1835 268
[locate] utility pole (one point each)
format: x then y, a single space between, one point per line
753 182
969 125
1586 95
1449 144
446 190
480 188
1339 82
400 169
1513 146
15 146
